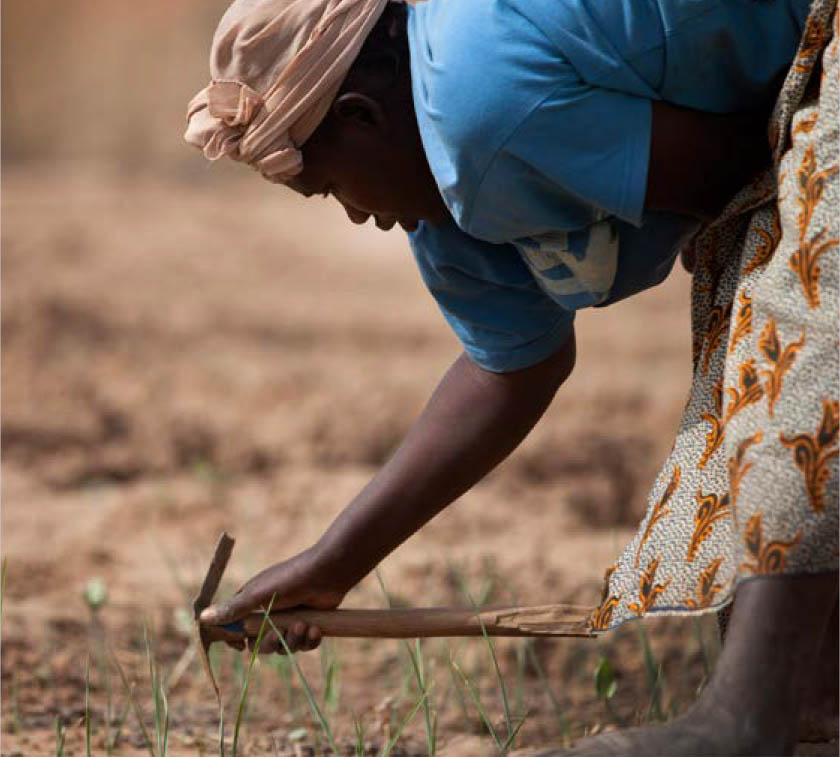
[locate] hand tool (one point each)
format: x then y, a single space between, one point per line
539 620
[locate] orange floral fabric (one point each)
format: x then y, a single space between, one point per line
751 485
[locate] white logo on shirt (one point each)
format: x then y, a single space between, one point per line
591 273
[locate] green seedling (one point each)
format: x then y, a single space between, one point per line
2 587
310 697
159 698
508 745
503 747
459 694
472 690
606 687
87 707
221 736
415 657
105 677
138 714
60 738
240 670
330 675
113 739
605 683
95 594
359 729
521 651
392 742
360 737
430 717
511 732
243 698
559 714
284 670
502 687
653 673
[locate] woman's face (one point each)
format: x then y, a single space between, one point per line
370 158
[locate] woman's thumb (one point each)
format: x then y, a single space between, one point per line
222 613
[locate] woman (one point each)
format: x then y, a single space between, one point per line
546 157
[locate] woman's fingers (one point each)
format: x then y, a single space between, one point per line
299 638
296 636
313 638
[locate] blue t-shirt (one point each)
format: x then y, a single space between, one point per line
535 117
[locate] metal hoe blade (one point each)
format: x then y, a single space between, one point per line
205 597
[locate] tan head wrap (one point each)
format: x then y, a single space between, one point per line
276 66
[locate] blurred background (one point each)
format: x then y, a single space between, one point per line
188 348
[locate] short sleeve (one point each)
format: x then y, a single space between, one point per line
503 319
582 142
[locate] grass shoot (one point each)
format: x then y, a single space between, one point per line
330 668
135 706
2 587
87 707
653 673
472 690
359 730
418 669
606 687
307 690
161 711
392 742
559 713
243 697
60 738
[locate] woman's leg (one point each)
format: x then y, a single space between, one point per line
752 703
776 631
819 715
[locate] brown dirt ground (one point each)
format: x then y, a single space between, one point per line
179 361
188 350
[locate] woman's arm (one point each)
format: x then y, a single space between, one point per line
472 422
698 161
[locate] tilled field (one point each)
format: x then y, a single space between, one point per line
179 361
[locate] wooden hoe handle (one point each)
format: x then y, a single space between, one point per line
543 620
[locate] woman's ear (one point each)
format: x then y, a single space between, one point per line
357 108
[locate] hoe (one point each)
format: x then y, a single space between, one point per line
421 622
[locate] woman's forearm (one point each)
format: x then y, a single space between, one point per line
472 422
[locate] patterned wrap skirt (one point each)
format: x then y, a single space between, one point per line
751 485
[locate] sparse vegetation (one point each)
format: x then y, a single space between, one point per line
485 683
167 375
243 697
60 737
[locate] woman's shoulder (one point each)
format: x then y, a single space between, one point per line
477 70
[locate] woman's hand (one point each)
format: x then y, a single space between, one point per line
303 581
